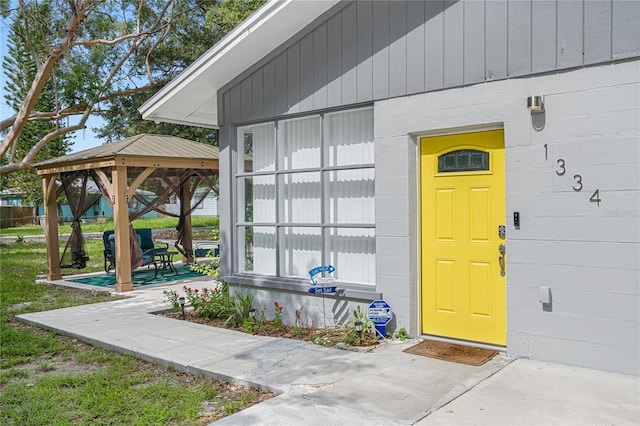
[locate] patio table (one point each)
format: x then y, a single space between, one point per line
166 260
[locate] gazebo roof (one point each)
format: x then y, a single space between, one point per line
144 150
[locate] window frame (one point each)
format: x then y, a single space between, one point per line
279 173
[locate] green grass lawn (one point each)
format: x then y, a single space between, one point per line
47 378
157 223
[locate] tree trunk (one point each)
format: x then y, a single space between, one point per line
35 215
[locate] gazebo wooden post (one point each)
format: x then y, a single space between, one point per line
51 226
186 194
121 229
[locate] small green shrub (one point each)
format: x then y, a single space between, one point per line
277 319
247 398
401 334
211 268
231 407
207 303
214 303
262 317
360 315
248 324
239 307
172 297
299 331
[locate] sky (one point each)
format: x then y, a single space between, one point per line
82 140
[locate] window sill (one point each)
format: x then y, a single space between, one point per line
291 285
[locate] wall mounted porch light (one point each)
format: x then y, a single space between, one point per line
535 104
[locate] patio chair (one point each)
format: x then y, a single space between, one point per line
205 247
148 248
148 257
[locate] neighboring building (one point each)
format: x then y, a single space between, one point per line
393 140
12 197
208 207
101 208
14 210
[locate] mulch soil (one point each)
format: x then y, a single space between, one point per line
325 336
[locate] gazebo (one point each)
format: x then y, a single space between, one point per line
176 166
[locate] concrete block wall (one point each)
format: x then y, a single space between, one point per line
588 253
396 182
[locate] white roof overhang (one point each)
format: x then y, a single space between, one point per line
191 97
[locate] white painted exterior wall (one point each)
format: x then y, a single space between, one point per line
589 255
208 207
390 54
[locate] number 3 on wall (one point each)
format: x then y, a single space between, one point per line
578 186
562 169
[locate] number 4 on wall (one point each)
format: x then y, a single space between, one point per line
595 197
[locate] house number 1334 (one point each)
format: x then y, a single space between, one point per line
561 169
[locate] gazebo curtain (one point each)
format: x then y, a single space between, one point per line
210 186
80 200
153 194
74 185
196 178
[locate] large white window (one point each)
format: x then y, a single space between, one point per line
305 196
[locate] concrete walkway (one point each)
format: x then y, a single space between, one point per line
319 385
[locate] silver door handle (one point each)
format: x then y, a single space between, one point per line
502 249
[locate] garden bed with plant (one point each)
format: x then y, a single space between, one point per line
217 308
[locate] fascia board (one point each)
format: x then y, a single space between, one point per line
182 99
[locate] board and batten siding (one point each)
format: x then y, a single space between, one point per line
364 51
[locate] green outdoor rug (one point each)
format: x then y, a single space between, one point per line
140 277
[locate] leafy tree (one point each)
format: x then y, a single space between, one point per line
104 57
218 18
89 52
226 15
19 69
122 120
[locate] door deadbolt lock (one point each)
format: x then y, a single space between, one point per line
502 232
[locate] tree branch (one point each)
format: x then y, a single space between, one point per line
89 43
26 112
73 110
27 161
27 38
40 81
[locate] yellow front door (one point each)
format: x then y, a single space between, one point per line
463 248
